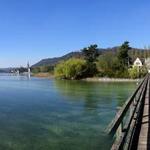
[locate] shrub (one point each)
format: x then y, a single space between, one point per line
133 72
71 69
143 71
109 65
136 72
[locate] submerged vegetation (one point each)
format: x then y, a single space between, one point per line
92 62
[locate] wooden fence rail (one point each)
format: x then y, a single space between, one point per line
123 125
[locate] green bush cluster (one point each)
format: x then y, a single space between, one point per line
76 68
137 72
108 65
73 68
134 72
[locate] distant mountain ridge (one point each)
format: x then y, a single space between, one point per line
55 60
77 54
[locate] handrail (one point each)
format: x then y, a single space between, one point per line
130 126
137 117
113 126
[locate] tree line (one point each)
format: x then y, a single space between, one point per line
93 63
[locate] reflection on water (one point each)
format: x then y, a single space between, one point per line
41 114
95 94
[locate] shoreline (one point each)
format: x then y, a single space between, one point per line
94 79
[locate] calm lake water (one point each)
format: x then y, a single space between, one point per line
42 114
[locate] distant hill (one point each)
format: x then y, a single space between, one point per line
53 61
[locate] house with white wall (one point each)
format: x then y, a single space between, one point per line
147 64
138 63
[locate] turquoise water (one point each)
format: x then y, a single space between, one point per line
42 114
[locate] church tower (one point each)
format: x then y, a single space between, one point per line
29 71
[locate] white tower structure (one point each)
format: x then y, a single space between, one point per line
29 71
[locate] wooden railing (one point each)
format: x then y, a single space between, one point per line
123 126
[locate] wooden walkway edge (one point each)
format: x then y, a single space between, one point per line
144 141
131 126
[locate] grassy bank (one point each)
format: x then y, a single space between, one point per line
94 79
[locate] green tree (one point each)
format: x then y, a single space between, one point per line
73 68
108 64
104 62
122 54
90 53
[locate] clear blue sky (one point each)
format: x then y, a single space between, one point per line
34 29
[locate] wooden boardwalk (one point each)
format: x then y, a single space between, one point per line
143 142
131 126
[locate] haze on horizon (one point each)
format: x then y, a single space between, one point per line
31 30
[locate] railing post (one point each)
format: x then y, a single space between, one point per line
134 101
119 131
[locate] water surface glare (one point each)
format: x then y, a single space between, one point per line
42 114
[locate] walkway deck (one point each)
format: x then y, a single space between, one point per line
144 141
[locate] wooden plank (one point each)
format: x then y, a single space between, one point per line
143 136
